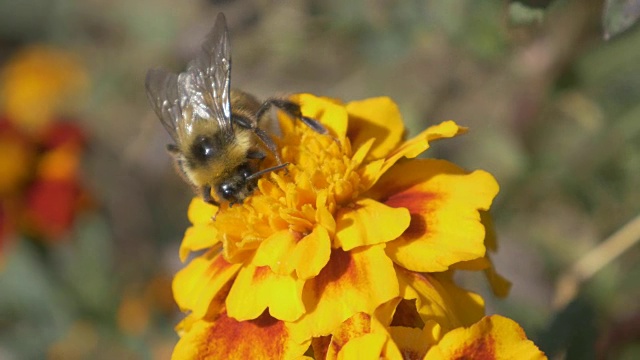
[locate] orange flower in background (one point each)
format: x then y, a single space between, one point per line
357 231
40 154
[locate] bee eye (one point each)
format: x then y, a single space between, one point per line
227 191
246 172
203 148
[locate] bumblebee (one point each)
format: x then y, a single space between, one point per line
219 132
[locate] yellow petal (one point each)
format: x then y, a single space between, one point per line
375 118
351 282
329 112
368 346
311 253
369 222
499 285
352 341
203 282
493 337
413 343
490 238
409 149
227 338
201 212
444 202
258 288
285 252
440 300
198 237
275 252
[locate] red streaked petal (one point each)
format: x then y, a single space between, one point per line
229 339
444 202
351 282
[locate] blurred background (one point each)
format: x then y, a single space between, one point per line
549 89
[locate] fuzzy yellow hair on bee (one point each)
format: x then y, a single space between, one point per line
219 132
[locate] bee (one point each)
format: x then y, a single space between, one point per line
219 132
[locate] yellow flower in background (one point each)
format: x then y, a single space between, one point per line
37 82
357 227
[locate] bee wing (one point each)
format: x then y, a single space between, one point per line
162 91
208 77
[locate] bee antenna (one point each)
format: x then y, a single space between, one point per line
262 172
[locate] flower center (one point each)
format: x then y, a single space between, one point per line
321 177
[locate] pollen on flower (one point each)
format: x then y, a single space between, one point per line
323 176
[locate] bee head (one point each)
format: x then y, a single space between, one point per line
238 186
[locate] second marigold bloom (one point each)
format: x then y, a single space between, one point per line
348 231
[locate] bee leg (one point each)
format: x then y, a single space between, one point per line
206 196
256 154
247 123
173 149
293 110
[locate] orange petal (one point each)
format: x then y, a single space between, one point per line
351 282
199 286
258 288
375 118
493 337
409 149
440 300
356 326
227 338
61 163
444 202
320 346
369 222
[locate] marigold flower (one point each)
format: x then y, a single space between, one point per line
357 227
35 84
40 190
40 154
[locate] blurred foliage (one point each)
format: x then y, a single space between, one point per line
553 110
619 15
